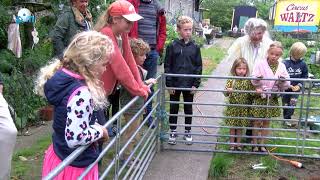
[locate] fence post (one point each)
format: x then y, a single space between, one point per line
162 109
117 148
309 84
300 118
158 114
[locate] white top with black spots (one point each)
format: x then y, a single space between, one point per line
79 113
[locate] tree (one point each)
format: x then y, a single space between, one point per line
220 11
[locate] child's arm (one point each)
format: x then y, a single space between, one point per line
256 73
125 76
283 82
228 87
150 81
79 112
304 75
197 68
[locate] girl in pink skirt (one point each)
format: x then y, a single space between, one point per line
73 87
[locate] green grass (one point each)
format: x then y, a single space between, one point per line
211 57
219 165
272 164
31 168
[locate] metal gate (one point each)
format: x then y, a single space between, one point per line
209 132
144 150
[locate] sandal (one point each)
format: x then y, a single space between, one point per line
255 149
239 148
232 148
263 149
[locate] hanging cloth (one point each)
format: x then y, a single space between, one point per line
14 41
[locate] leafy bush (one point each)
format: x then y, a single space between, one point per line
286 41
18 90
4 21
171 34
199 40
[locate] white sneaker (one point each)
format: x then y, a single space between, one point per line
188 137
172 137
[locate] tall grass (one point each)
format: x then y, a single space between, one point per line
219 165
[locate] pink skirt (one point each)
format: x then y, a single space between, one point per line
51 160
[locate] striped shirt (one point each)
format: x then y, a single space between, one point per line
148 25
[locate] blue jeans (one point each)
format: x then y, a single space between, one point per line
150 64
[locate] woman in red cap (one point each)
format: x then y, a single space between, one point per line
116 23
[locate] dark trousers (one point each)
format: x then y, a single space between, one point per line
114 104
286 101
150 64
174 108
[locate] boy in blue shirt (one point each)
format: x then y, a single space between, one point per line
296 68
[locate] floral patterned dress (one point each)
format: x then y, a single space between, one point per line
261 112
238 98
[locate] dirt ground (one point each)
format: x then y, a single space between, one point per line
242 169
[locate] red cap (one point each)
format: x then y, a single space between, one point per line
125 9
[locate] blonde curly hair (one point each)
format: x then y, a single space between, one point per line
139 47
85 50
184 20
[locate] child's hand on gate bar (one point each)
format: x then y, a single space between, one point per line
295 88
171 91
259 90
193 90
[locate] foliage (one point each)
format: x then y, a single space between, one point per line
219 165
220 11
18 90
96 11
93 6
200 41
315 70
211 57
20 73
286 41
263 9
32 167
4 21
271 164
171 34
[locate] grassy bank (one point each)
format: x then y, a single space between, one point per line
233 166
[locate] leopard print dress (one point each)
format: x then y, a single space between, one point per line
238 98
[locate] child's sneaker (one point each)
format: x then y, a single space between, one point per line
172 137
188 137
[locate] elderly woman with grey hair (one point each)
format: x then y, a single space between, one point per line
254 45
